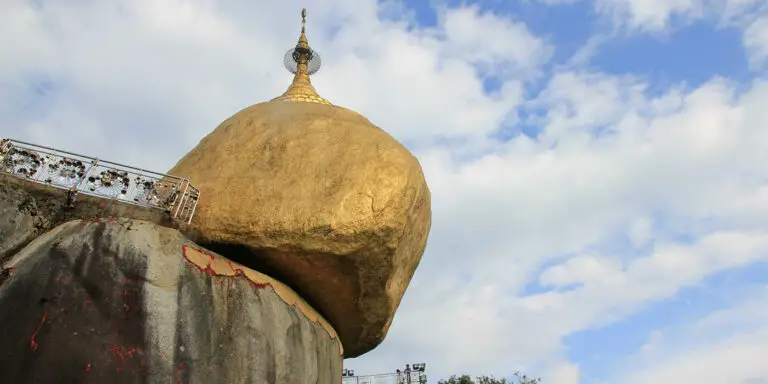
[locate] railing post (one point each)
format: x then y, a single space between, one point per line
43 166
197 198
5 143
117 195
182 198
132 187
94 162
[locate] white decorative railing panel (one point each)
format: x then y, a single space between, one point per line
100 178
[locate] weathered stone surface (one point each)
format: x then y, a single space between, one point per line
28 209
323 200
21 220
125 301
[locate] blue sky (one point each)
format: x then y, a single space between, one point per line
597 167
686 55
599 351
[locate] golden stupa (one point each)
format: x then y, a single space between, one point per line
301 89
318 197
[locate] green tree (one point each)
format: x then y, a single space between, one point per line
466 379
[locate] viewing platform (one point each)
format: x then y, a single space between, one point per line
399 377
88 187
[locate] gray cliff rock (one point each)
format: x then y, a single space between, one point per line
22 218
29 209
129 301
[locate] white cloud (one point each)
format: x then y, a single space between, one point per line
653 343
483 37
192 63
587 51
558 2
737 10
693 156
727 346
738 360
640 231
756 41
661 16
649 15
565 373
140 82
581 270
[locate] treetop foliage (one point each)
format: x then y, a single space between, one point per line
466 379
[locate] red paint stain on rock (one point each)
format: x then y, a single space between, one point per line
207 270
124 358
238 272
125 294
109 219
33 344
179 372
211 272
196 257
122 353
257 285
6 274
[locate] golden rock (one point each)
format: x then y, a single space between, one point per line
321 199
326 201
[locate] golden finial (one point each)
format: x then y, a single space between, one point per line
302 61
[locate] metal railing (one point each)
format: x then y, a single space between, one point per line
100 178
387 378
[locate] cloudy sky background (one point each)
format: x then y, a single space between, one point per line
598 167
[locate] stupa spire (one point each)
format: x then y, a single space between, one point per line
302 61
